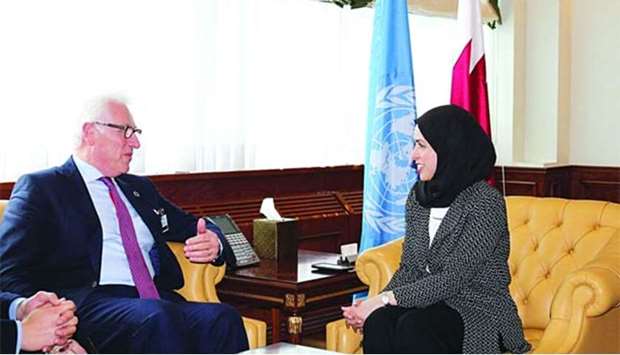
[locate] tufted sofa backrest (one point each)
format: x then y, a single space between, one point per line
550 238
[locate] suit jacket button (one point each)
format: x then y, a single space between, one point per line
94 284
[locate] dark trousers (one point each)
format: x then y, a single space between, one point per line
115 320
430 330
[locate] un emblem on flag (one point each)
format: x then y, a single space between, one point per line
390 176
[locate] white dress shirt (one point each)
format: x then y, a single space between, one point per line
434 221
437 215
114 264
13 316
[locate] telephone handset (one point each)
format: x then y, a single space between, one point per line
240 246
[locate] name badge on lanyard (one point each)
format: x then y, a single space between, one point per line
163 219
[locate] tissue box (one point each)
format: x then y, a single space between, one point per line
276 239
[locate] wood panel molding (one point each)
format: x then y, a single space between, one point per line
328 200
597 183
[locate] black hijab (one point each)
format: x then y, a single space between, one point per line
465 154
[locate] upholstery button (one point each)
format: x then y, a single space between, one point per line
524 301
571 250
547 274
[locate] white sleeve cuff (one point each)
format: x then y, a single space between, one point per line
18 343
14 306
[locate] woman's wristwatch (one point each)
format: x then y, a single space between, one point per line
385 299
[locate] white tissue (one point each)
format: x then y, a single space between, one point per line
349 251
268 209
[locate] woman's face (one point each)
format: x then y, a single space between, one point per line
424 156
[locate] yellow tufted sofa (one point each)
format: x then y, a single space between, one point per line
200 281
565 266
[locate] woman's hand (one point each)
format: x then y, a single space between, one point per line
356 315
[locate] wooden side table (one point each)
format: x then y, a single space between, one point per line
290 303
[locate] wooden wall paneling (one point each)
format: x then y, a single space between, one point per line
236 185
547 182
520 181
557 182
323 222
353 200
596 183
328 200
5 190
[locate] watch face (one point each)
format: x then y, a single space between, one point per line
385 299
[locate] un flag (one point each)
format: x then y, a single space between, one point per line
388 175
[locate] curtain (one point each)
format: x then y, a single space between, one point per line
214 84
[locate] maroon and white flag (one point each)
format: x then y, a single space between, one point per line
469 75
469 78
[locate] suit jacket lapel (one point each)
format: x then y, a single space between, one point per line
420 238
76 196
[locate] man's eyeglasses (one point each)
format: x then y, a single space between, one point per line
128 131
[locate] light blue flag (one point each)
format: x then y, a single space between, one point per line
388 175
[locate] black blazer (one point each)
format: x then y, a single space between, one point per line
51 236
8 328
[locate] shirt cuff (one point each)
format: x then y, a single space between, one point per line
221 247
14 306
18 343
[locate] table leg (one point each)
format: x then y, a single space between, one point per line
275 328
295 324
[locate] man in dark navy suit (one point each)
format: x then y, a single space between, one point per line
94 234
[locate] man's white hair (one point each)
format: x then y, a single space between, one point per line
92 111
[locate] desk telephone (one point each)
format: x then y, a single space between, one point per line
240 246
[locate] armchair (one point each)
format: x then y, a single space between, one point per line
565 268
200 281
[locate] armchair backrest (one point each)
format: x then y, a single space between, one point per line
3 204
551 238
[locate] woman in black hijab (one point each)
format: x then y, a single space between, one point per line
450 293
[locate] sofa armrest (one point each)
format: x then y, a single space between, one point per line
585 297
376 266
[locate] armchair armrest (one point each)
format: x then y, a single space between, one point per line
586 306
342 339
376 266
200 281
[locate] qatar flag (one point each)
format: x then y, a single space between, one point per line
469 78
469 75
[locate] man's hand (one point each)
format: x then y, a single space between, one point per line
39 299
41 327
204 247
71 347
